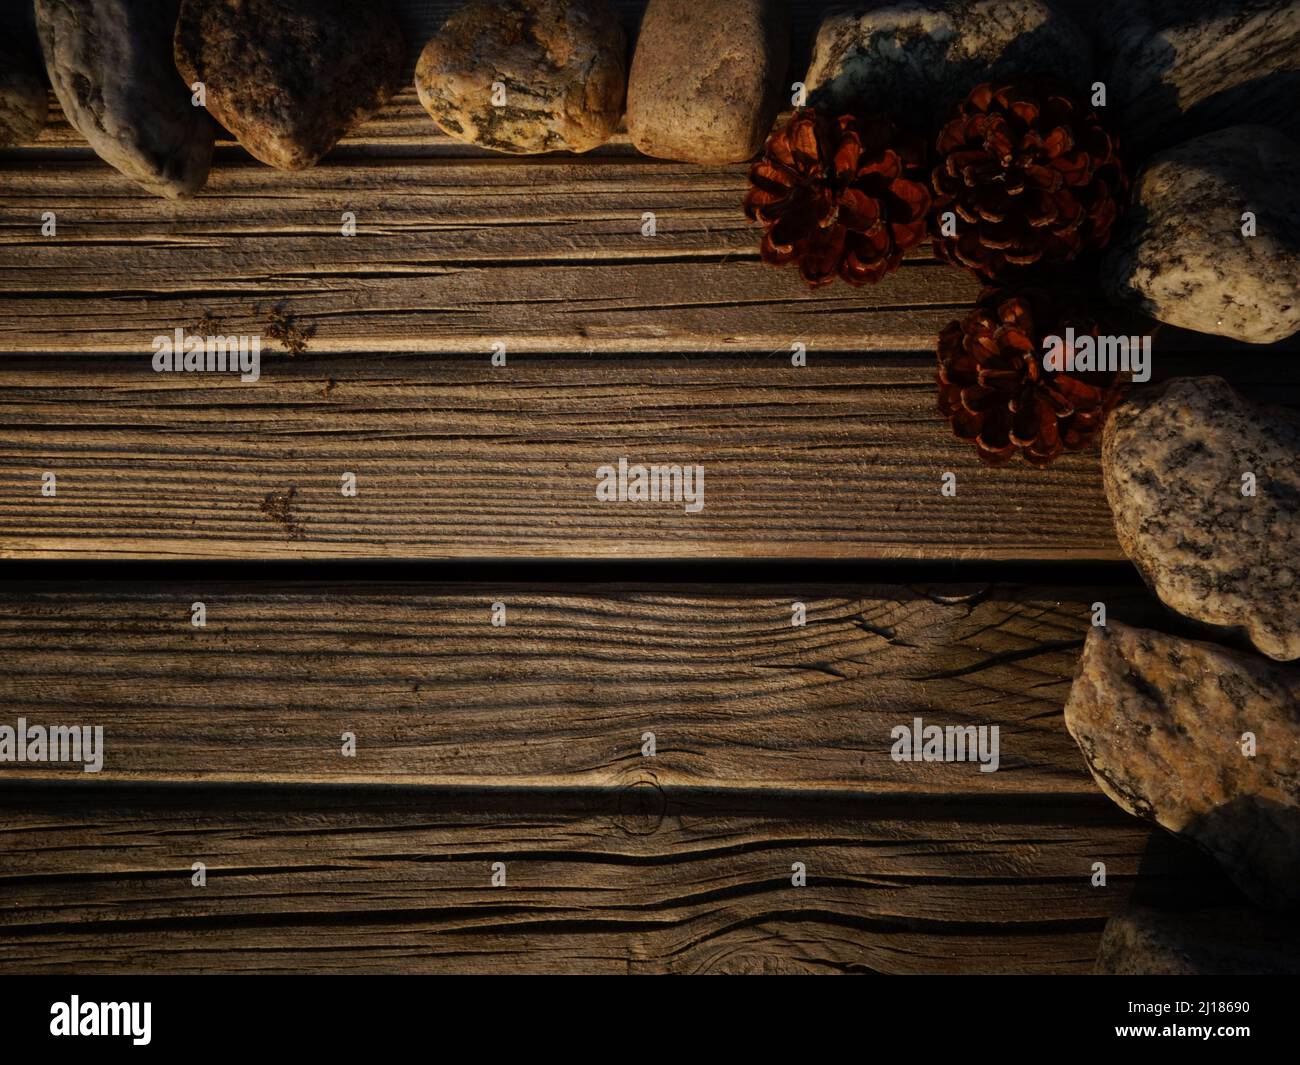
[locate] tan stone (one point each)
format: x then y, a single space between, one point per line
290 77
1160 721
559 68
1173 461
708 78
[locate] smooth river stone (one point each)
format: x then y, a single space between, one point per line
1181 256
1183 67
1172 464
110 62
1160 722
708 78
916 59
1225 941
290 77
562 64
23 106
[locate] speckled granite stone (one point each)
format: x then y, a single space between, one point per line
917 58
1160 722
1227 941
290 77
23 106
1178 68
708 78
110 62
1181 255
1172 463
562 63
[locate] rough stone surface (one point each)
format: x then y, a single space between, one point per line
1181 255
917 58
708 78
23 106
110 62
290 77
1227 941
1179 68
1160 722
1172 464
562 64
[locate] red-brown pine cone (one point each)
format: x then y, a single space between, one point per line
839 196
1032 175
995 391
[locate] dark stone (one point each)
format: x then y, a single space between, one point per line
1179 68
1229 941
290 77
23 106
916 59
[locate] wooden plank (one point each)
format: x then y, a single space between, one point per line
562 694
457 459
450 255
598 883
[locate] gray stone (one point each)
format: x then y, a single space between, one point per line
1181 255
23 107
1183 67
1226 941
1160 721
1172 464
562 65
110 62
290 77
708 78
926 55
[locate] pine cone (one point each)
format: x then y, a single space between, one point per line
996 392
839 196
1032 176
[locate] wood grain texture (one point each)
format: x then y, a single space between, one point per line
626 883
450 255
737 696
456 247
456 459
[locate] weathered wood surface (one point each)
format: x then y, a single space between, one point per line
456 247
561 695
455 458
449 256
627 883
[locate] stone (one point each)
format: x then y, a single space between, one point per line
557 70
1160 721
23 106
1181 255
110 62
1179 68
1172 461
917 58
708 78
288 78
1224 941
